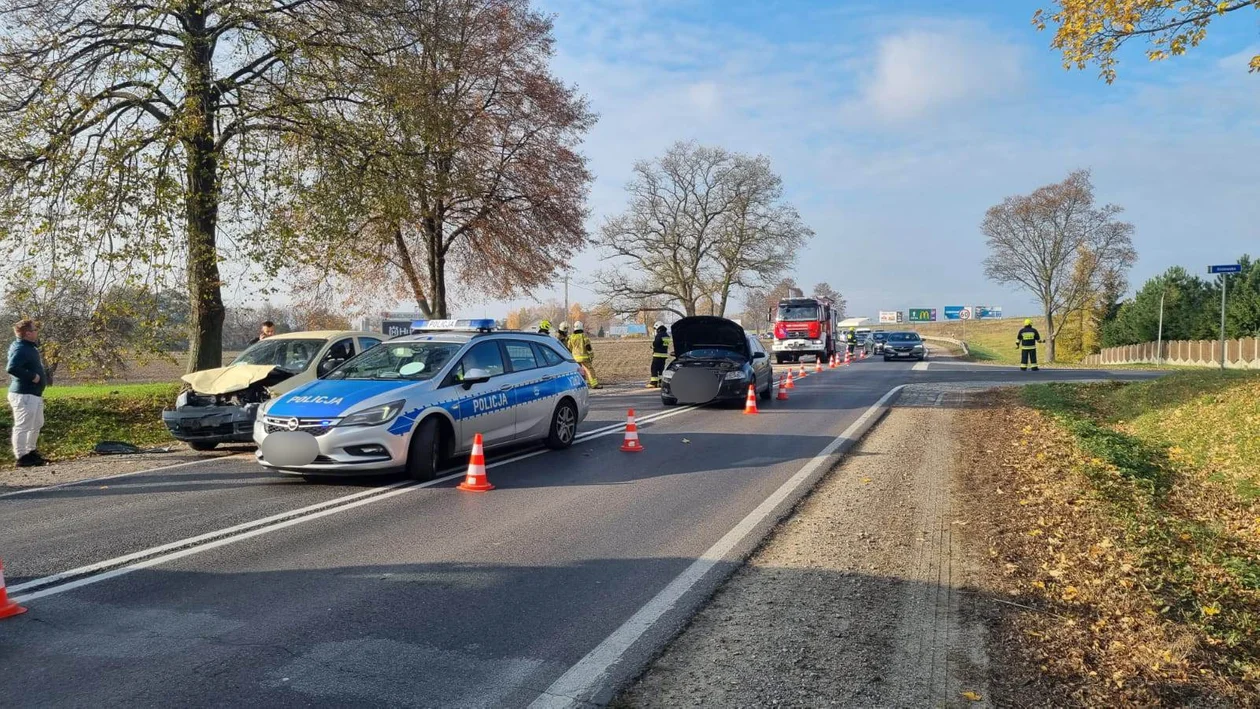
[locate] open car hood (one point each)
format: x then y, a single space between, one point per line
226 380
708 332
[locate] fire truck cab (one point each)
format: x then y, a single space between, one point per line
804 328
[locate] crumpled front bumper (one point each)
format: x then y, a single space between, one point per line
212 424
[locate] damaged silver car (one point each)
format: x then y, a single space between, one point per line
219 405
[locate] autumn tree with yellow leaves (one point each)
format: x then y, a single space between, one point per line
1092 31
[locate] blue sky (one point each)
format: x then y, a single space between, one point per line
895 126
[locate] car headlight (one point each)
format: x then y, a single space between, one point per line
374 416
733 375
918 347
182 400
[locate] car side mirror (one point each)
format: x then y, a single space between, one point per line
475 376
759 355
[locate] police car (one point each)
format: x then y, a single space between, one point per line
414 401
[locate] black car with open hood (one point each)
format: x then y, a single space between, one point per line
714 360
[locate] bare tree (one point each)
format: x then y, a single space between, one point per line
125 123
702 222
824 290
463 165
1059 246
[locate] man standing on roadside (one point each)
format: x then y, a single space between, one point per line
27 379
267 329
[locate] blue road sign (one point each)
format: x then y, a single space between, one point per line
954 312
1226 268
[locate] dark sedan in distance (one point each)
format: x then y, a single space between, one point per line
715 360
904 345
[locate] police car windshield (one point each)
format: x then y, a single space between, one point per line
290 355
411 361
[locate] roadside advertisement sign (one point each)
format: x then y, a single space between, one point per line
954 312
889 317
988 312
922 314
394 328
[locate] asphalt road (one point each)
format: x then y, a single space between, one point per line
223 584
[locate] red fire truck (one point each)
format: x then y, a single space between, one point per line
804 328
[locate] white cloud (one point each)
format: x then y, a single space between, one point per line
920 71
705 96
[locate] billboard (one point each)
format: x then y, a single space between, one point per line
922 314
394 328
889 317
953 312
629 329
988 312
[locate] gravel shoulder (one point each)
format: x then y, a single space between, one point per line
92 467
857 600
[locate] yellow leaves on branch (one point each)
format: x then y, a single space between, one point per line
1090 31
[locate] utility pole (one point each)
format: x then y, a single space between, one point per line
565 316
1159 344
1224 280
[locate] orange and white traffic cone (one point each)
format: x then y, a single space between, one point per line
818 365
833 361
7 607
476 480
631 443
750 406
789 384
783 387
801 372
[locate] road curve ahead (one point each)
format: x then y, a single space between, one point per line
222 584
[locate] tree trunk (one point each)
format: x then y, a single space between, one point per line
409 269
201 198
1049 337
436 259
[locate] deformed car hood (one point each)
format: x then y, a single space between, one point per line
708 331
226 380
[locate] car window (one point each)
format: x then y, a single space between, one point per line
521 355
367 343
548 356
483 355
291 355
414 361
341 350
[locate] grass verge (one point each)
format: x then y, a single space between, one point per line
76 418
1135 534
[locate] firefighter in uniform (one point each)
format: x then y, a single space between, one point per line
544 327
562 334
580 347
850 339
660 352
1027 344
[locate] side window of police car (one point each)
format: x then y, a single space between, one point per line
483 355
521 355
546 356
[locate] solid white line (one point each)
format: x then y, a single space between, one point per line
121 475
919 367
146 558
575 687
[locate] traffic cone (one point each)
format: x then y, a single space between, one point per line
476 480
833 360
631 443
818 365
783 387
789 384
750 406
7 607
801 373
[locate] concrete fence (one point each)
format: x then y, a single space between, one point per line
1239 354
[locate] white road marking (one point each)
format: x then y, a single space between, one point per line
920 367
89 481
580 682
146 558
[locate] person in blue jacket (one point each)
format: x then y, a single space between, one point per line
27 379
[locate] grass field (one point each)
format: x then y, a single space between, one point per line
78 417
1171 603
989 340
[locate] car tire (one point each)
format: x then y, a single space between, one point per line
563 430
424 452
779 359
669 401
887 358
921 358
203 446
769 391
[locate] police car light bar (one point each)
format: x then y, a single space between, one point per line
485 325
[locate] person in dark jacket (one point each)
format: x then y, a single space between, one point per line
660 352
267 329
27 379
1027 343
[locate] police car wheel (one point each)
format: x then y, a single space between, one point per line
563 426
424 453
